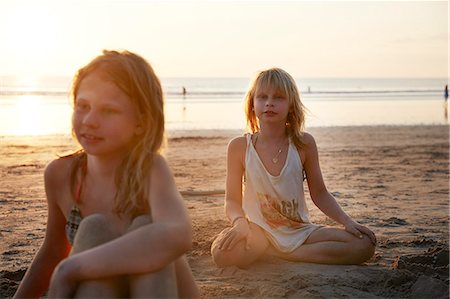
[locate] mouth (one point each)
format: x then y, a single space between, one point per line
90 137
269 113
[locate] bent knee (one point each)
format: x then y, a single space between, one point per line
222 258
219 256
94 221
227 258
237 256
94 230
139 221
364 249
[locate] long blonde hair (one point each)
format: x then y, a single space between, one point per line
136 78
283 82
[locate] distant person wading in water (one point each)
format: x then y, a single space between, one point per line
446 92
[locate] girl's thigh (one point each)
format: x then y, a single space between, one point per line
329 245
174 280
114 287
158 284
239 255
324 234
93 231
187 287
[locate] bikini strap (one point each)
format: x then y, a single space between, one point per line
80 179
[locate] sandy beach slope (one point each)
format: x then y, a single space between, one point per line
393 179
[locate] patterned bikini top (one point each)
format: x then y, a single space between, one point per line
74 219
72 223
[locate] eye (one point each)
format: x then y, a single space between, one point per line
109 110
279 96
81 106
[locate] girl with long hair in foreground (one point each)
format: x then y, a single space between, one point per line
117 226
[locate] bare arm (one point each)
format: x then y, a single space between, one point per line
146 249
320 195
55 247
235 171
233 196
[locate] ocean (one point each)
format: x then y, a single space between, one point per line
42 106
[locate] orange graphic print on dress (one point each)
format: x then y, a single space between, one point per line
279 213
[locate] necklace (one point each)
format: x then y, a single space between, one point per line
275 158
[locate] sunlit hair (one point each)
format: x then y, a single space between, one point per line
136 78
283 83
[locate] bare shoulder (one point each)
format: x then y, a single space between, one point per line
161 174
58 182
310 147
236 151
237 144
59 169
308 139
160 165
310 143
162 184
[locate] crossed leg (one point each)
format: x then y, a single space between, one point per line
238 255
328 245
325 246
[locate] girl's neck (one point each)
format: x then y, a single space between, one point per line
102 167
272 132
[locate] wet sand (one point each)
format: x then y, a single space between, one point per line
394 179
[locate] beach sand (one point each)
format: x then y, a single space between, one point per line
393 179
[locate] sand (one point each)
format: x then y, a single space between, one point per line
394 179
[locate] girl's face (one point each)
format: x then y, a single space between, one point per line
270 105
104 119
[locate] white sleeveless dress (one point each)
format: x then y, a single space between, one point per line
277 203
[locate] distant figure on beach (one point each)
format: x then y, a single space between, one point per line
184 98
265 200
116 226
446 92
446 102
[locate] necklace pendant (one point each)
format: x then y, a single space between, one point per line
275 159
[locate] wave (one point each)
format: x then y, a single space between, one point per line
212 93
33 93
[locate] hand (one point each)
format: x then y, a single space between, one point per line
63 283
240 230
358 230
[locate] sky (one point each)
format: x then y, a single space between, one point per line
309 39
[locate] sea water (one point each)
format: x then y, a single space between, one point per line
43 106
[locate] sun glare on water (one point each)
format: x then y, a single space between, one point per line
28 115
28 110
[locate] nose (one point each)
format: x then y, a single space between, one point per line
269 102
90 119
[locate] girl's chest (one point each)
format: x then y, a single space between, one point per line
95 201
102 202
285 164
274 169
272 159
